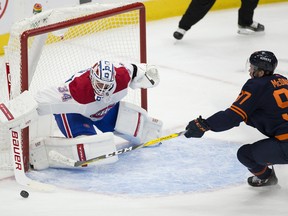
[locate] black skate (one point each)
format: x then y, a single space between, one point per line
254 181
179 34
253 28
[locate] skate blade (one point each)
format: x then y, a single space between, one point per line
249 32
266 188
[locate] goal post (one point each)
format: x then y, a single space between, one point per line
29 34
49 47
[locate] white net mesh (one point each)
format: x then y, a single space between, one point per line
69 50
54 56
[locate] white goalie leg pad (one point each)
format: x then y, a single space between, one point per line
64 152
152 129
19 112
38 155
136 126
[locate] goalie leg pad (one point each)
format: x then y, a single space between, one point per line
77 149
152 129
19 112
38 155
134 123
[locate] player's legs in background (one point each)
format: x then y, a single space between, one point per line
195 12
245 17
246 12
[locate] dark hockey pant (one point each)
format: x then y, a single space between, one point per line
259 155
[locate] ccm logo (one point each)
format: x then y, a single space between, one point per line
119 152
16 150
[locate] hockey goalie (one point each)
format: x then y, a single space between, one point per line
88 110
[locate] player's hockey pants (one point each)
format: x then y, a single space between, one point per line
73 125
257 156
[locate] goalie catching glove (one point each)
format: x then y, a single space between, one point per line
196 128
144 76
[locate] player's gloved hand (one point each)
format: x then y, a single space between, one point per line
196 128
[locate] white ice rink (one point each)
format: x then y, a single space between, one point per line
201 74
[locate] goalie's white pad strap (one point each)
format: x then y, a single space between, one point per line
74 149
19 112
134 123
147 76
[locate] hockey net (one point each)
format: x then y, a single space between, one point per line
49 47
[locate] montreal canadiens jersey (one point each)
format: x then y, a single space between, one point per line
262 103
76 95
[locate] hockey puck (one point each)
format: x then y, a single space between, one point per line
24 194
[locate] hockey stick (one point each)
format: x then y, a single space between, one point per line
18 164
16 148
128 149
17 152
60 158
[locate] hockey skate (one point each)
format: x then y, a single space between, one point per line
254 181
252 29
179 33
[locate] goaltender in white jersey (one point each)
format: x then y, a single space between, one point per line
90 98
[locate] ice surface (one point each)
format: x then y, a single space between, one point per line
201 74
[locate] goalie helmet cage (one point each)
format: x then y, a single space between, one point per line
55 44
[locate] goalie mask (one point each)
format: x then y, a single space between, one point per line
102 76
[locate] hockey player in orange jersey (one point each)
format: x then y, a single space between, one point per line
262 104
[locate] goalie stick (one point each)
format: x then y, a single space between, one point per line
128 149
17 151
18 165
58 157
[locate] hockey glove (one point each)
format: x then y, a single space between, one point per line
196 128
145 76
